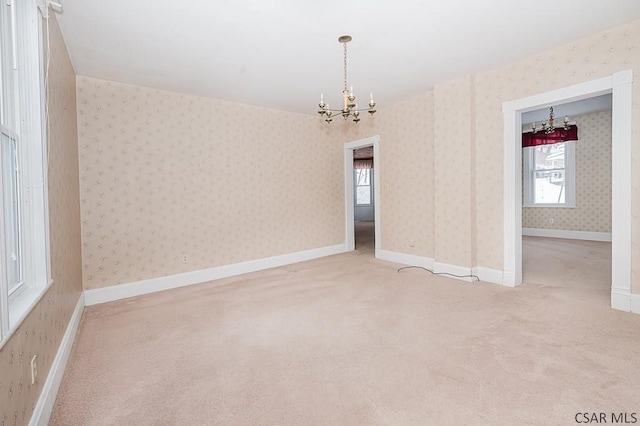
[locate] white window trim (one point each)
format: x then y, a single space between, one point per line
569 179
33 156
371 190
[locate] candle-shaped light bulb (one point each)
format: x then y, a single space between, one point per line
371 94
321 98
351 91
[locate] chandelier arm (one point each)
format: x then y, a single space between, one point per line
332 109
350 109
362 109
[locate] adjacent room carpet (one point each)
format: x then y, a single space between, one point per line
347 340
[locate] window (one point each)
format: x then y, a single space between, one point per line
24 248
549 175
364 193
11 211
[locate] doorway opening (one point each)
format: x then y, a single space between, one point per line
620 87
363 198
566 214
362 194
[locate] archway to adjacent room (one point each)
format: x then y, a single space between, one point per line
620 86
350 190
566 214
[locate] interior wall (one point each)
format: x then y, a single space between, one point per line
407 176
406 171
583 60
440 191
454 137
42 330
593 182
166 175
460 207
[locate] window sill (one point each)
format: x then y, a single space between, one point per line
21 306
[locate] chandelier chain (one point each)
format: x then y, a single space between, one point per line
345 65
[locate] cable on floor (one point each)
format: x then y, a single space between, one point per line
440 273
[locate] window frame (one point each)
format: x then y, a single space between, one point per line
528 171
23 115
356 185
13 290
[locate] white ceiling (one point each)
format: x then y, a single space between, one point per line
284 53
570 109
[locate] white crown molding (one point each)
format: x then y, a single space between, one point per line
152 285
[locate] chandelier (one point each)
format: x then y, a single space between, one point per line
550 127
349 105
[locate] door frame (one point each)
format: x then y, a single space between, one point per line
620 86
350 238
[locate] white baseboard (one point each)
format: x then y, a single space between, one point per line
44 406
573 235
445 268
509 279
152 285
489 275
484 274
621 300
404 259
635 303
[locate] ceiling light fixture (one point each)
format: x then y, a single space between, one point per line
550 128
349 105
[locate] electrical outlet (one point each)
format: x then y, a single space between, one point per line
551 220
34 369
412 243
185 258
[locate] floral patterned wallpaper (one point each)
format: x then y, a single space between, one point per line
154 165
407 176
165 175
593 182
42 330
583 60
406 171
453 172
465 227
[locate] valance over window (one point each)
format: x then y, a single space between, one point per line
363 164
557 136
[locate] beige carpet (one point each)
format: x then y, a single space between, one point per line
347 340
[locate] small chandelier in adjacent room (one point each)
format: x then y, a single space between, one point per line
349 105
550 127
